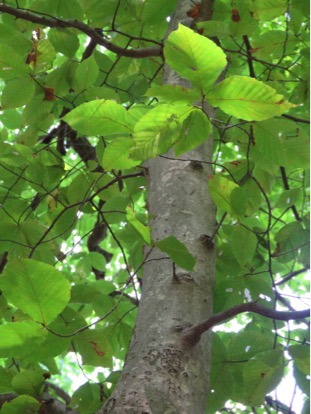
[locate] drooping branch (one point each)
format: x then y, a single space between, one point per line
191 335
94 34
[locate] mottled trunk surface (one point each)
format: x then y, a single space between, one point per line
161 375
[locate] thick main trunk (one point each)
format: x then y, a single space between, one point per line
161 375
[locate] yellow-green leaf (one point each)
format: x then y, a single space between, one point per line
247 98
194 57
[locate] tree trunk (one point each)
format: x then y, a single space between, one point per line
161 375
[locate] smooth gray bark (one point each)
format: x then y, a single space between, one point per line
162 375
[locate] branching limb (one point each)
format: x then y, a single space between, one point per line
192 334
94 34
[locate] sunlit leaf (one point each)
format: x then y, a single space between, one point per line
247 98
158 130
194 57
117 155
100 117
196 129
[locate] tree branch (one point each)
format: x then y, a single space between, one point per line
53 22
191 335
296 119
286 186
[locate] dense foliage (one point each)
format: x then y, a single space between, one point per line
82 107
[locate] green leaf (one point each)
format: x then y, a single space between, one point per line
244 244
64 41
247 98
158 130
117 153
278 142
5 381
42 290
45 56
272 44
247 199
221 382
21 404
95 348
261 375
12 65
143 230
19 338
220 189
14 38
101 117
288 198
173 93
194 57
29 382
292 243
87 398
301 356
87 72
17 92
196 129
177 251
267 9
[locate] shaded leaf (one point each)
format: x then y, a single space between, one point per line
143 230
28 382
42 292
21 404
87 72
220 189
261 375
17 92
19 338
244 244
64 41
177 251
87 398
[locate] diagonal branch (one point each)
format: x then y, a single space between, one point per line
54 22
191 335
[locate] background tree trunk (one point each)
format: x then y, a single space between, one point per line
161 375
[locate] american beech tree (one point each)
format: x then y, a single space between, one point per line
153 185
